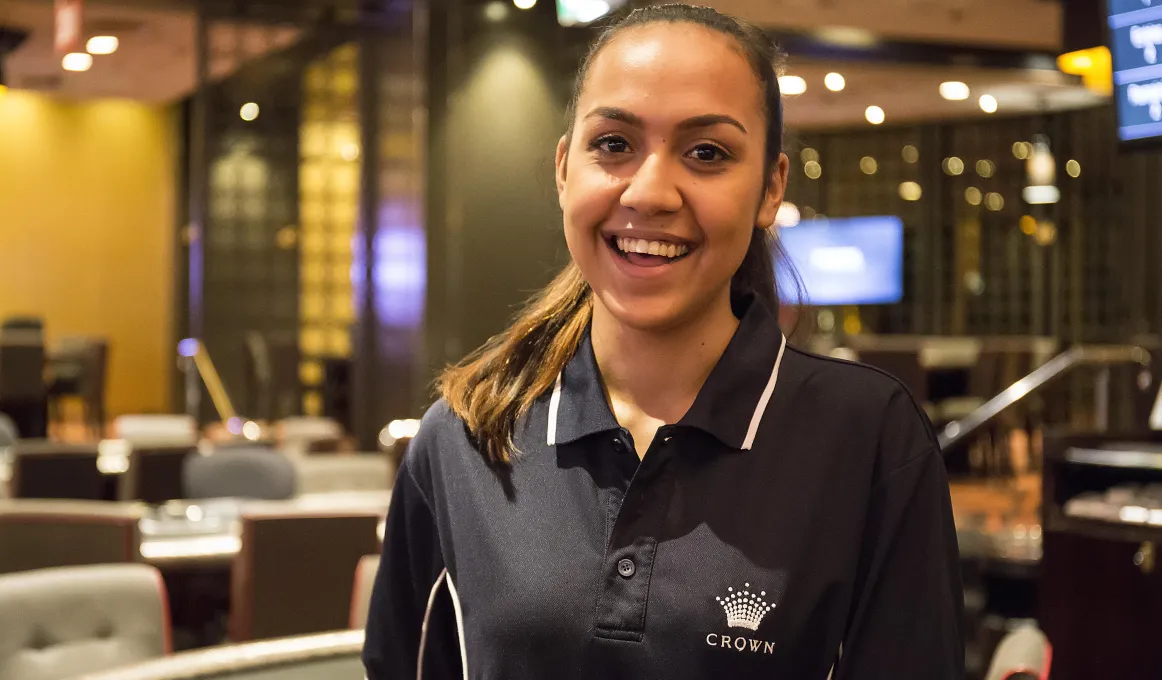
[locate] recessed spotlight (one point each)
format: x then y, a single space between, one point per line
77 61
954 91
953 166
102 44
834 82
988 103
911 191
792 85
524 4
249 111
874 115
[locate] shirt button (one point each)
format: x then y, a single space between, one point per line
626 568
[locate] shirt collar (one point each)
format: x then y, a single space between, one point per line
729 406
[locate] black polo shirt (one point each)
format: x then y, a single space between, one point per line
794 524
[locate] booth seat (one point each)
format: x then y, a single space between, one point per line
61 622
326 656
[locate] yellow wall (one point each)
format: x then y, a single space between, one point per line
86 216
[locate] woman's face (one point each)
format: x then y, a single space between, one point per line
662 182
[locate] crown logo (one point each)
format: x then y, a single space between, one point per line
744 609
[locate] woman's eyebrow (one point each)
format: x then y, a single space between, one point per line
614 113
702 121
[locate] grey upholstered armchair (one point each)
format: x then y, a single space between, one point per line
62 622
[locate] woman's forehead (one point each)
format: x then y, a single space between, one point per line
682 69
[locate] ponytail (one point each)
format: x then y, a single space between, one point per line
498 383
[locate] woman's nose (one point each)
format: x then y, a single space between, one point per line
652 189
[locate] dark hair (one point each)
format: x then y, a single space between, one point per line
491 388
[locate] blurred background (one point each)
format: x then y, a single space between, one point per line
239 238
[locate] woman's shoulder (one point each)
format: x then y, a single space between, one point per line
867 399
441 436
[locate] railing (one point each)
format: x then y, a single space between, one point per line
198 365
1104 356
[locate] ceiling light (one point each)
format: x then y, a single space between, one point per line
249 111
102 44
1041 194
874 115
911 191
954 91
910 154
988 103
972 195
496 11
953 166
834 82
77 61
1073 168
792 85
812 169
868 165
524 4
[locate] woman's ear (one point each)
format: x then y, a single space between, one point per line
560 167
776 190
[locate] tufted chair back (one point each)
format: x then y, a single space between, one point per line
59 623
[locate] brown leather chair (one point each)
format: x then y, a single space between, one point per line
23 392
36 534
45 469
155 474
293 574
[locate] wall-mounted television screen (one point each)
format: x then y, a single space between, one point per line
848 261
1136 47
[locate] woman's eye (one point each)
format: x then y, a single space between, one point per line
611 145
707 153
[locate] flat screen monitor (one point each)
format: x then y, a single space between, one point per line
849 261
1136 47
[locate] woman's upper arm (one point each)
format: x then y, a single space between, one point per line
906 618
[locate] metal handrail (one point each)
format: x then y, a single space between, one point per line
1081 355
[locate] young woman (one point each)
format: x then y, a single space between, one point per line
640 478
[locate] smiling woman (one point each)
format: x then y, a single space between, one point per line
601 484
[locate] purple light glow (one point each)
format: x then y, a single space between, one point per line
188 347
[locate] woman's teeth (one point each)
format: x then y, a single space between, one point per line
643 247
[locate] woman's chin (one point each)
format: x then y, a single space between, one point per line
646 313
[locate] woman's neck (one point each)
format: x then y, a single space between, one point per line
652 378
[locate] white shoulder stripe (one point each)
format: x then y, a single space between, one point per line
761 408
554 406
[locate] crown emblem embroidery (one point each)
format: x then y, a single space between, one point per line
744 609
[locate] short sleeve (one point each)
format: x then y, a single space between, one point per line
905 623
410 592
